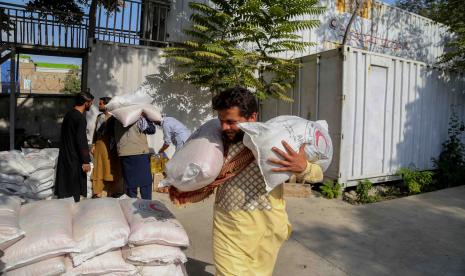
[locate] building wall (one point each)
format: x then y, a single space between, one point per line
116 70
47 81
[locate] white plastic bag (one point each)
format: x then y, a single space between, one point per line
99 225
111 263
42 194
11 178
151 222
89 181
17 189
42 186
50 267
130 114
48 233
199 161
260 138
164 270
140 96
10 232
153 254
39 161
13 162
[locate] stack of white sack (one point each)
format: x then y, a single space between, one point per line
156 239
47 237
93 237
260 138
200 160
13 170
128 108
29 174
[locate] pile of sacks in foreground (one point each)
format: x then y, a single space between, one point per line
29 174
93 237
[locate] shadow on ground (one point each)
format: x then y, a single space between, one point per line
197 268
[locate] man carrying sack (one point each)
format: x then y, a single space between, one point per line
249 224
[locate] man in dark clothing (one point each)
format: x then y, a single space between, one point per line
74 157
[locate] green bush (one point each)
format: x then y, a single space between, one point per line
416 181
362 191
331 189
450 165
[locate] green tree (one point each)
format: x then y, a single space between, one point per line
424 8
450 13
450 165
5 22
72 83
241 42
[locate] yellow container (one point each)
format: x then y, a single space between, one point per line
158 163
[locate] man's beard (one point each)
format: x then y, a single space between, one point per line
88 108
102 109
238 137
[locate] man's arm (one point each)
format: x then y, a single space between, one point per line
166 137
163 148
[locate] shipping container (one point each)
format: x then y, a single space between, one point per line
378 27
383 112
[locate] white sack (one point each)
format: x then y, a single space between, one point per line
200 160
99 225
130 114
89 181
13 162
260 138
165 270
11 178
140 96
151 222
154 254
38 177
50 267
111 263
42 194
49 233
14 188
49 153
10 232
34 189
39 161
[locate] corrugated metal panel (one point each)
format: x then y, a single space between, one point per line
383 112
395 114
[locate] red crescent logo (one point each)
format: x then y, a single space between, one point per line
153 206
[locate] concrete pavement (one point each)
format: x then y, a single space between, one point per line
417 235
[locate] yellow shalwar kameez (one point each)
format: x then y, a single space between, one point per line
249 225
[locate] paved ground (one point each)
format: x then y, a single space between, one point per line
418 235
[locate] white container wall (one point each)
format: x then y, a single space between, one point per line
380 28
383 112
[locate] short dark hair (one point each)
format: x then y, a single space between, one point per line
105 100
237 96
82 97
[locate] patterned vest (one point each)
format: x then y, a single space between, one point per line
246 191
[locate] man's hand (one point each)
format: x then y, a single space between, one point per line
86 168
294 162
